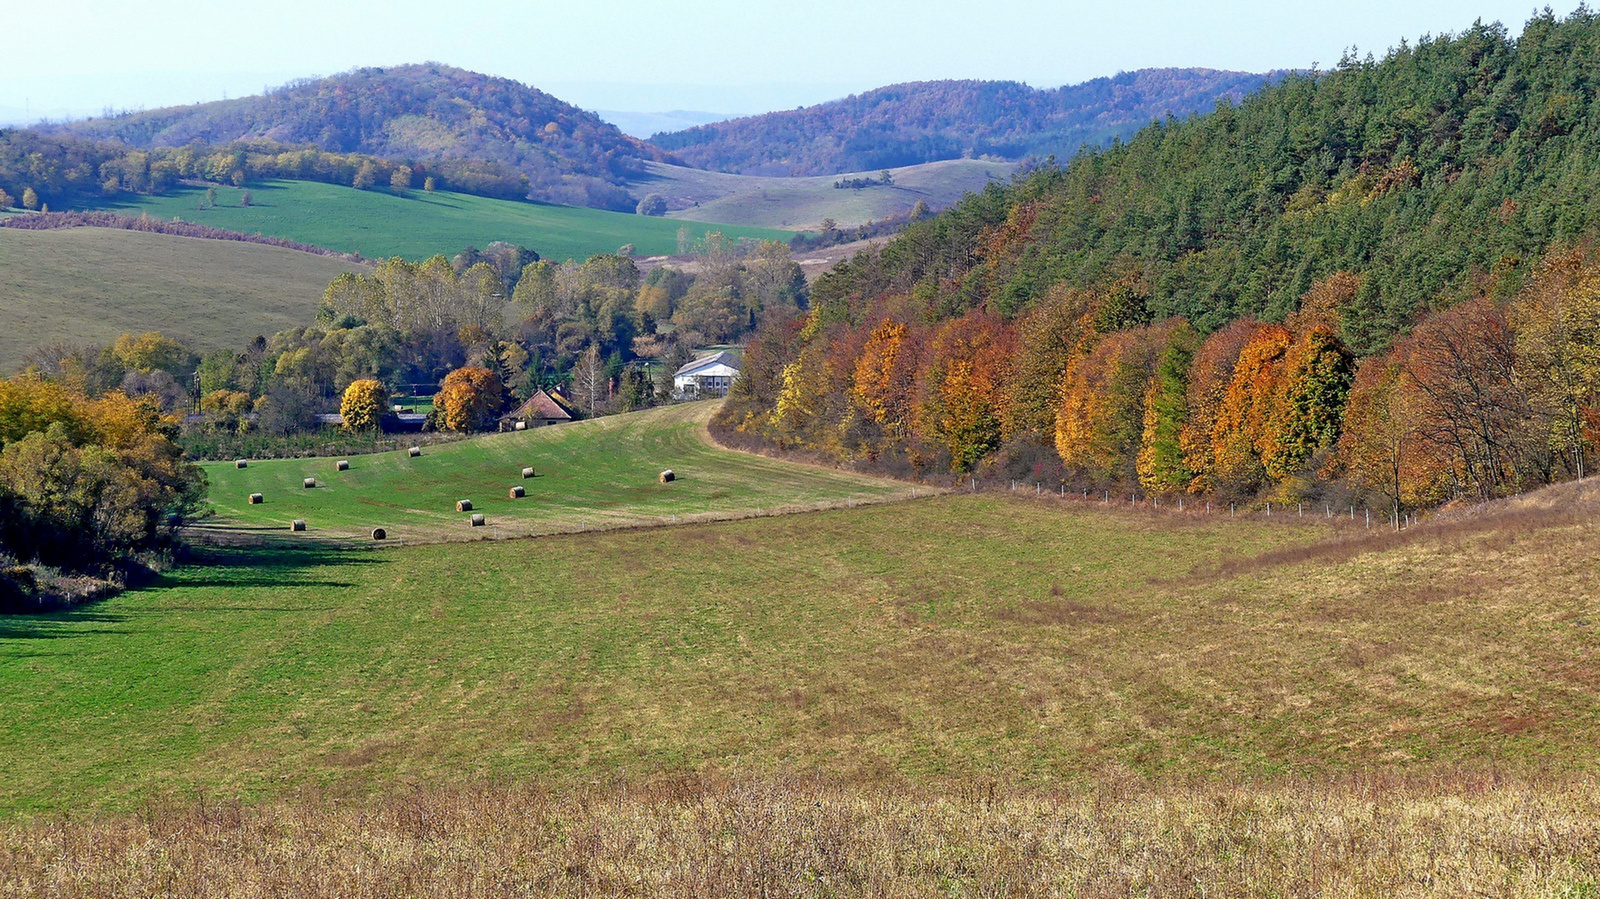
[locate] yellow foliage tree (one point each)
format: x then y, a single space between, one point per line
468 400
364 406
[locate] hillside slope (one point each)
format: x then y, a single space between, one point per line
90 285
802 203
906 124
1442 188
592 475
427 111
380 224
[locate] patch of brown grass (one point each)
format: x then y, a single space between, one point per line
1475 834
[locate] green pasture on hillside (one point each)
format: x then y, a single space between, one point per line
592 474
379 224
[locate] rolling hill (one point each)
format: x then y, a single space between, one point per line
907 124
90 285
426 111
801 204
379 224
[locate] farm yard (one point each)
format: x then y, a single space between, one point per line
602 473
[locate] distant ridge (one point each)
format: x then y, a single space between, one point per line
427 111
929 121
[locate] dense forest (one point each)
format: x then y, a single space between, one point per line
908 124
426 113
1376 280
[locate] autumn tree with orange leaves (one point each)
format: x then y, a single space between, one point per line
961 397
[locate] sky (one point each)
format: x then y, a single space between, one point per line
80 57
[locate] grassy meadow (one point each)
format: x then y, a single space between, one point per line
601 473
208 293
801 204
1006 695
957 695
380 224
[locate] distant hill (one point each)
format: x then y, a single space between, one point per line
645 124
928 121
427 112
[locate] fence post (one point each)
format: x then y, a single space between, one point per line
1233 511
1369 519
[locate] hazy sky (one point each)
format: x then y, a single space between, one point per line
716 55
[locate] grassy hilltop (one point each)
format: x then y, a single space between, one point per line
380 224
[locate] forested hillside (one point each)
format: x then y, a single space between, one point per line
1375 279
426 112
908 124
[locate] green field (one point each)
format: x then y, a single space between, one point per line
379 224
801 204
90 285
594 474
944 640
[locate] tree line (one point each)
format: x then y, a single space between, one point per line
39 170
514 322
1369 281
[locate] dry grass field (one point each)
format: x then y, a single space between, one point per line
1480 835
59 285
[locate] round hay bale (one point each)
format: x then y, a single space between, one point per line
667 476
240 463
299 524
478 520
464 505
310 482
518 493
380 534
527 473
415 451
343 465
522 426
257 499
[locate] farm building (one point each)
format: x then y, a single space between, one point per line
540 409
707 376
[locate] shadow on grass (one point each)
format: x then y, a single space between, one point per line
58 625
264 562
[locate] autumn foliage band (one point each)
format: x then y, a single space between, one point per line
1481 399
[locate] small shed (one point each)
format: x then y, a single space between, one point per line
540 409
